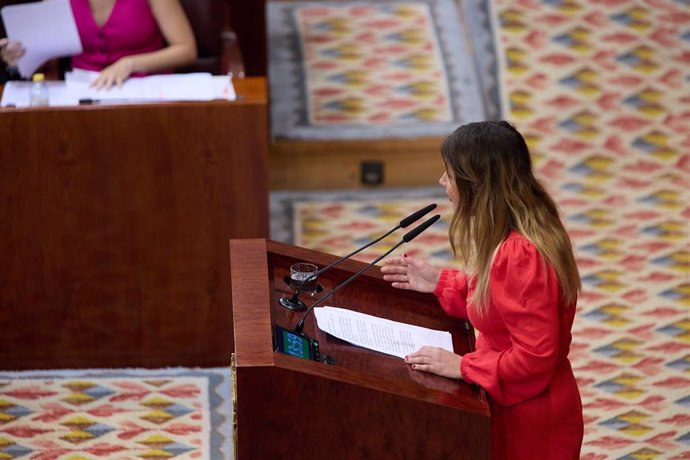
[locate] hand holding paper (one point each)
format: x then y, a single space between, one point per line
45 29
12 50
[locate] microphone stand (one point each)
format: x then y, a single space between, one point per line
294 303
405 239
300 325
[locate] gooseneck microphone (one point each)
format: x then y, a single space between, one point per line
405 239
294 303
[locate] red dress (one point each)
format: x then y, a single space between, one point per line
521 356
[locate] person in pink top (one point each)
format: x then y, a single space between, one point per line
518 288
125 38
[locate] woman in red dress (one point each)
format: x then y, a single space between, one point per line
518 289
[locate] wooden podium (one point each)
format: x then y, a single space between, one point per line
365 405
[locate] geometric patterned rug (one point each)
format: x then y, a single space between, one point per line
380 68
116 414
601 91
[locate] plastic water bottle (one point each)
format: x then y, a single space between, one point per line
38 94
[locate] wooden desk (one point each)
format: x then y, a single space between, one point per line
114 223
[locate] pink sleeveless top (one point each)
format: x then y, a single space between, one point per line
131 29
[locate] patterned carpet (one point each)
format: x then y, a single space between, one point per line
602 92
381 68
116 414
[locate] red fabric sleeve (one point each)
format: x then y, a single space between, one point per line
451 292
524 292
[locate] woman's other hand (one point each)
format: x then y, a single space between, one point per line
114 74
437 361
406 272
12 50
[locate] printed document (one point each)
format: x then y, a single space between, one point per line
167 87
154 88
46 29
379 334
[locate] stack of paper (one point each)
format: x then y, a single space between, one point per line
172 87
155 88
379 334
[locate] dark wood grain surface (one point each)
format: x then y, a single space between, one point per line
367 404
114 224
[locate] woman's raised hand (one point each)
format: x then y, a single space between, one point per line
406 272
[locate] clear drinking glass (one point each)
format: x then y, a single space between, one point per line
302 271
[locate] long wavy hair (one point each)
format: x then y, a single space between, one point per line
491 167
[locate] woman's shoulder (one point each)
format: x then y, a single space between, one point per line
516 246
516 239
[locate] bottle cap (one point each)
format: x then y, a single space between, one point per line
39 77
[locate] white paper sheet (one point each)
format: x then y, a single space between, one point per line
156 88
46 29
379 334
169 87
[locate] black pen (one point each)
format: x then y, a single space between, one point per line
90 101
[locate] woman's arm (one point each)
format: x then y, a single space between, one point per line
181 47
178 34
525 296
524 293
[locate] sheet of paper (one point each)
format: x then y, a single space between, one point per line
223 88
156 88
46 29
167 87
379 334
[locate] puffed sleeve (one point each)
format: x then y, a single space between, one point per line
524 292
451 292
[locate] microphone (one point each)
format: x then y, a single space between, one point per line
294 303
405 239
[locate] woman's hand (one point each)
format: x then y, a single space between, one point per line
437 361
12 50
409 273
114 74
433 382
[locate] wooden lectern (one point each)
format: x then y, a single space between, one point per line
365 405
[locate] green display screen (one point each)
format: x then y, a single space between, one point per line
296 345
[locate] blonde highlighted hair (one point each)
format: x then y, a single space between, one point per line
490 165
